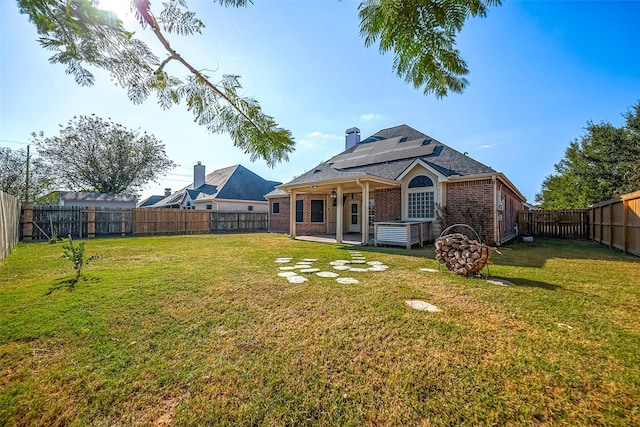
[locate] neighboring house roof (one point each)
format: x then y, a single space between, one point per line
230 183
151 200
388 153
81 196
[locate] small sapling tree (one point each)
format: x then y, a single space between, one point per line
75 254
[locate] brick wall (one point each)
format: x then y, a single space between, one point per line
279 223
511 205
471 203
388 204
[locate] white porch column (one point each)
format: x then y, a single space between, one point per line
339 214
365 214
292 214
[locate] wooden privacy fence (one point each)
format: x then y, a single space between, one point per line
9 223
44 222
563 223
616 223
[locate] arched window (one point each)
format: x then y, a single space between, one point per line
420 195
420 181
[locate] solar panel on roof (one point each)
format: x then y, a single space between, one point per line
384 151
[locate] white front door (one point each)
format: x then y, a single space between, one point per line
354 217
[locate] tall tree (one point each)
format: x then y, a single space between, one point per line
14 178
96 155
603 164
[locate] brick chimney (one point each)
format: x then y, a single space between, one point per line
198 175
352 137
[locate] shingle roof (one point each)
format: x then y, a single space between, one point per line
151 200
443 158
232 183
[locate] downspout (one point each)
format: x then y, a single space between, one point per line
339 214
495 210
365 211
292 214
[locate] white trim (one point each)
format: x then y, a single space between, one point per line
418 162
420 168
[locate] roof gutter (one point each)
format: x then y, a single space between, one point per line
335 182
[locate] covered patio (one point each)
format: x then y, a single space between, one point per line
349 222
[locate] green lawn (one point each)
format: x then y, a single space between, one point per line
200 330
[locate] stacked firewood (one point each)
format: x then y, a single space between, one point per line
461 254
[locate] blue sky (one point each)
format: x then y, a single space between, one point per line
539 70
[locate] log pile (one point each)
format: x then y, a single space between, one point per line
461 254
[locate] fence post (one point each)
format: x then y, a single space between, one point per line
27 223
91 222
625 229
123 223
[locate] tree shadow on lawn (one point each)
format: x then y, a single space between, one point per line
520 254
69 284
523 282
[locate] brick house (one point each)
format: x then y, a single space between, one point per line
397 174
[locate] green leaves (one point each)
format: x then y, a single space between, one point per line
422 36
75 254
98 155
603 164
83 36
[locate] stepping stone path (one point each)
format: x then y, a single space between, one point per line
347 281
327 274
358 263
422 305
500 282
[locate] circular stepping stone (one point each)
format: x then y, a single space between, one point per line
283 260
341 267
287 274
302 266
358 261
340 262
347 281
377 268
287 268
297 279
500 282
359 270
309 259
430 270
375 263
327 274
309 270
422 305
565 326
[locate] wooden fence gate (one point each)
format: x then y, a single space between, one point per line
563 223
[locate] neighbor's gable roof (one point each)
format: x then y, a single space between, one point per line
230 183
388 153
